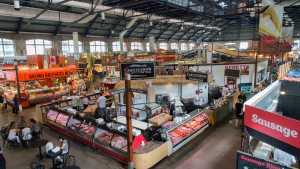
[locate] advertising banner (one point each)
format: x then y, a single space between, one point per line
270 21
282 128
247 161
138 70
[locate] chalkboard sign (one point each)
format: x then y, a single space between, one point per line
247 161
138 70
199 76
232 73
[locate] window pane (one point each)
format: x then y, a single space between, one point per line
71 49
92 49
30 49
1 52
9 50
48 46
183 46
39 41
47 42
80 49
40 49
30 42
92 43
64 43
65 49
7 41
192 46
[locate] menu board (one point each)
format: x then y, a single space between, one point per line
138 70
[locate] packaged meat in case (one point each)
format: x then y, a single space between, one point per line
62 119
51 115
118 142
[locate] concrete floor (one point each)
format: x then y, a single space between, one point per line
214 149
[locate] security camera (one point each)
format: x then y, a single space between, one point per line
17 4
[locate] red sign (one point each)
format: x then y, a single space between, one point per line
274 125
244 69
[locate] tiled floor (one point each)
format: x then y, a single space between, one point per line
214 149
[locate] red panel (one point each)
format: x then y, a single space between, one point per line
274 125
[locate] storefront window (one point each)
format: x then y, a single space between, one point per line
98 46
68 47
37 46
136 46
7 48
174 46
183 47
116 46
163 46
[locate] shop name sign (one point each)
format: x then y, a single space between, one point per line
199 76
274 125
244 69
248 161
138 70
286 132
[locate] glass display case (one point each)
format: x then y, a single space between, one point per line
184 131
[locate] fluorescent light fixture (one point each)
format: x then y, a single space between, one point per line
17 4
229 43
282 92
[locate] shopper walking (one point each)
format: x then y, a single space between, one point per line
101 105
2 160
4 106
239 112
15 105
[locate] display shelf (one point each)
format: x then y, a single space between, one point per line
188 139
185 131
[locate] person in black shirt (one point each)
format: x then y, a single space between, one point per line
239 112
2 160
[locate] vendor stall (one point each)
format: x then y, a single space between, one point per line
156 135
38 86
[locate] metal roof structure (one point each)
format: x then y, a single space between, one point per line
166 20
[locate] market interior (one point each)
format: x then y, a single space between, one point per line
111 84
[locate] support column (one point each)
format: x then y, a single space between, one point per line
20 47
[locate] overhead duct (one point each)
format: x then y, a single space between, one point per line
118 11
28 13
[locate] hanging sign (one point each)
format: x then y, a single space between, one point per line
199 76
247 161
282 128
245 88
138 70
232 73
244 68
